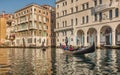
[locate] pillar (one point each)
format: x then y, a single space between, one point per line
113 38
85 43
98 39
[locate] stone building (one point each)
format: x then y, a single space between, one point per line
33 25
85 21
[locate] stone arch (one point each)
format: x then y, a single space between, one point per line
80 38
106 35
91 35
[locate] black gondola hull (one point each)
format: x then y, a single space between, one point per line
83 51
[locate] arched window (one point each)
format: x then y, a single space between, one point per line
116 12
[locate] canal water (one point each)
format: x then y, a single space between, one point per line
19 61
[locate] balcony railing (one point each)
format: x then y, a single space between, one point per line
103 7
32 27
23 29
63 28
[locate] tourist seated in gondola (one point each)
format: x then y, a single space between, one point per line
71 48
64 47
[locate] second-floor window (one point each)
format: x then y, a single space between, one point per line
76 21
116 12
83 6
65 12
100 1
83 20
87 19
76 8
95 17
57 6
72 22
71 10
87 5
57 25
71 1
65 23
110 14
95 2
100 16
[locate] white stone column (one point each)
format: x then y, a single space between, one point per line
98 39
113 38
85 43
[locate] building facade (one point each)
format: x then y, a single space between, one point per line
51 36
32 25
10 31
86 21
3 22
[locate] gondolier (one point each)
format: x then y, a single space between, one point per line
66 41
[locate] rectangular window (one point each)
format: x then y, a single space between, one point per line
71 1
95 2
71 10
63 33
76 8
57 25
87 5
63 23
76 21
100 1
110 14
100 16
63 3
116 12
72 22
57 6
87 19
57 40
30 40
83 6
65 12
83 20
71 32
95 17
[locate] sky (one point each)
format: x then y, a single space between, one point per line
10 6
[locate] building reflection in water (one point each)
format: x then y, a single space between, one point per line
18 61
102 62
4 62
27 61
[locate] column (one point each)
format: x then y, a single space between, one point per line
113 38
85 43
98 39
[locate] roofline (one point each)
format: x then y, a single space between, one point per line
59 1
48 5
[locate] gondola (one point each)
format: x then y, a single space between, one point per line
90 49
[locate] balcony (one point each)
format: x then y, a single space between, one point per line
63 28
32 27
104 7
23 29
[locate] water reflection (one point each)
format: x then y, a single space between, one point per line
102 62
4 62
27 61
55 62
